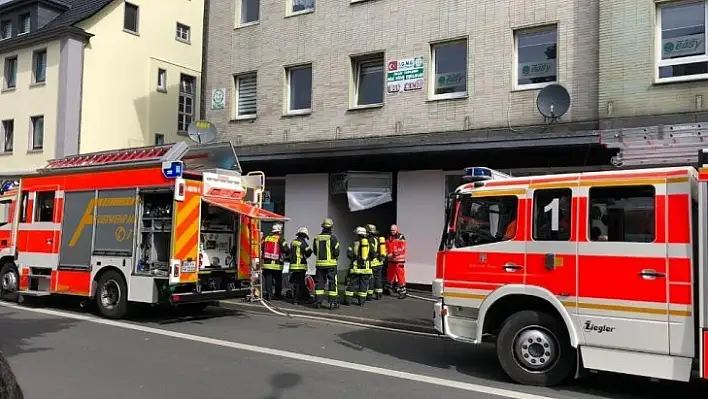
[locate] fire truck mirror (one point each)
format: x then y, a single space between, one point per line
550 261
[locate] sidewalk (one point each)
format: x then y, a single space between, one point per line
409 313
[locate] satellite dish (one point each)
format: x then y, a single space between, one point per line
202 132
553 101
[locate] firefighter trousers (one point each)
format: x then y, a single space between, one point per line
299 289
396 272
326 280
272 284
376 284
358 286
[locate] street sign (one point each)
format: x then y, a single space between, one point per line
172 169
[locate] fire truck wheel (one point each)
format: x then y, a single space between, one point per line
534 349
9 282
112 295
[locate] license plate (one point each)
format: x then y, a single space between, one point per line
189 267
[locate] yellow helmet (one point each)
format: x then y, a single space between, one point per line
327 223
371 228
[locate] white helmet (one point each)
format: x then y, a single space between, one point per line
360 231
304 231
277 228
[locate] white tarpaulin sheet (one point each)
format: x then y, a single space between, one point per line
360 200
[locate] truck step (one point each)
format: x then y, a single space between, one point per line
34 293
44 276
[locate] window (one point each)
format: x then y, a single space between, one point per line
23 207
246 91
10 72
185 107
681 35
536 57
183 33
485 220
130 18
5 30
37 133
250 11
24 23
369 82
44 207
302 6
450 69
8 135
39 62
159 139
299 89
622 214
161 80
552 214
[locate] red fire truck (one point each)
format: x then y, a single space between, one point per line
602 271
174 224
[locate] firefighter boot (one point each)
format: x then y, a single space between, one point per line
402 292
333 303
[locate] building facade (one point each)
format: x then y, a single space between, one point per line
93 75
653 71
409 94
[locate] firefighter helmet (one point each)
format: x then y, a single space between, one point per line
327 223
360 231
277 228
303 231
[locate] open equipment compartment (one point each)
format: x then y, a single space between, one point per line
155 226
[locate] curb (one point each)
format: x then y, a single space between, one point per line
254 307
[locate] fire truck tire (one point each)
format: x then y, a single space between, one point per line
112 295
9 282
534 349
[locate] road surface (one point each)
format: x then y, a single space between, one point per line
60 353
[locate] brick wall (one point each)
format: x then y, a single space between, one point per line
401 29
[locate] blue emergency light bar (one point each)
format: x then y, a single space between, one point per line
480 173
8 185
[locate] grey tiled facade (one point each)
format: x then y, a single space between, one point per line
628 93
401 29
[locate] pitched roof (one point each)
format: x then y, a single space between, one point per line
75 11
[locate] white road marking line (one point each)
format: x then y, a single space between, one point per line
465 386
337 317
352 323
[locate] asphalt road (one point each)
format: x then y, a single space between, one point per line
227 353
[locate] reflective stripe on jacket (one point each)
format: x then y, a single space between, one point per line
396 246
325 246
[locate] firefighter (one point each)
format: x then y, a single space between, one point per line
396 254
275 251
325 247
377 256
299 252
360 272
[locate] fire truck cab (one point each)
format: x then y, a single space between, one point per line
173 224
588 271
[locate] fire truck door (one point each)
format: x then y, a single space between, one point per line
622 267
38 235
552 250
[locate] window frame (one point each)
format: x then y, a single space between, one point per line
515 68
25 18
455 219
35 59
3 136
183 28
588 211
658 62
3 23
534 215
288 85
6 65
37 211
33 126
290 4
433 71
126 7
159 137
162 76
356 68
237 94
184 94
240 15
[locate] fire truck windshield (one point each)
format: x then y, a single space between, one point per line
484 220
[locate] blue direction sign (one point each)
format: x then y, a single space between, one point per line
172 169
